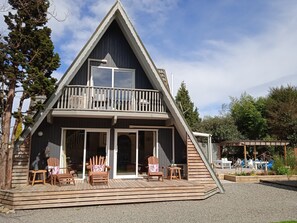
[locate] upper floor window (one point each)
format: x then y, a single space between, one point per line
112 77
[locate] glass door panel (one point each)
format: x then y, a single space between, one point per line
95 146
146 148
126 154
73 152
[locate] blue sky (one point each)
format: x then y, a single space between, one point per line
220 48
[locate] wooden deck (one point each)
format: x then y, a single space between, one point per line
117 192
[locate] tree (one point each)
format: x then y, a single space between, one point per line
186 106
248 114
222 128
282 113
28 57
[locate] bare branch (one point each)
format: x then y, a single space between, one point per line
53 14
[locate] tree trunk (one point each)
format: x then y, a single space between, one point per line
2 164
6 147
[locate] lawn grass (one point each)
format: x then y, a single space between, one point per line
286 222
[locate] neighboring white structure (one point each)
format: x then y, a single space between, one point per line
209 144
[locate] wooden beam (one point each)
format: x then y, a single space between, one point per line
255 152
285 154
49 118
244 154
114 120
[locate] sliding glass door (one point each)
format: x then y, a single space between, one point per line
79 145
132 148
126 153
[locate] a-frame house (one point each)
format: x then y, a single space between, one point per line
113 101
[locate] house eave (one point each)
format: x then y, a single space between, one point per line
109 114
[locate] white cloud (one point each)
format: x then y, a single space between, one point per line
80 19
252 64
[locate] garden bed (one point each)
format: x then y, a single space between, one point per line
257 178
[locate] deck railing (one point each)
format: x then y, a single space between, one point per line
111 99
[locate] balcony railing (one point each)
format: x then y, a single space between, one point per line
111 99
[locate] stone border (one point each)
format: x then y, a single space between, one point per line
256 179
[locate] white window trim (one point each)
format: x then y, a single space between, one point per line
113 69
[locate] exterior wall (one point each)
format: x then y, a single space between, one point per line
196 167
21 164
52 134
181 149
114 47
165 147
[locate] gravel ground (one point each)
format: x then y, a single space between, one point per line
241 203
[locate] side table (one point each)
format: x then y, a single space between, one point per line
33 176
173 172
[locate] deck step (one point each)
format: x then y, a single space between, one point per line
68 196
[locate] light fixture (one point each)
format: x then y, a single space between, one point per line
103 61
40 133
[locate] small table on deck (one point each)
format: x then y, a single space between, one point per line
65 178
173 172
34 173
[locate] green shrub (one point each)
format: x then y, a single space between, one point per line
291 160
241 174
282 170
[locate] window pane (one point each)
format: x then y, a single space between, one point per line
124 79
102 77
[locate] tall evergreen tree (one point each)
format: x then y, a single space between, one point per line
28 59
186 106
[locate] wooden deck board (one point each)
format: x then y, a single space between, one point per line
116 192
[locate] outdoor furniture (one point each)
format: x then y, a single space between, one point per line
98 170
269 165
250 164
65 178
154 169
33 175
58 174
223 163
237 164
173 172
261 164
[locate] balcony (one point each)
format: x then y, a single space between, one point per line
106 101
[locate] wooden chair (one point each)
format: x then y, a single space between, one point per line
98 170
154 169
57 174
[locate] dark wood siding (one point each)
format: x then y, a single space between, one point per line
180 149
52 132
81 78
114 47
165 147
52 136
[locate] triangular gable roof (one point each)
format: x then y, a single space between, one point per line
118 13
